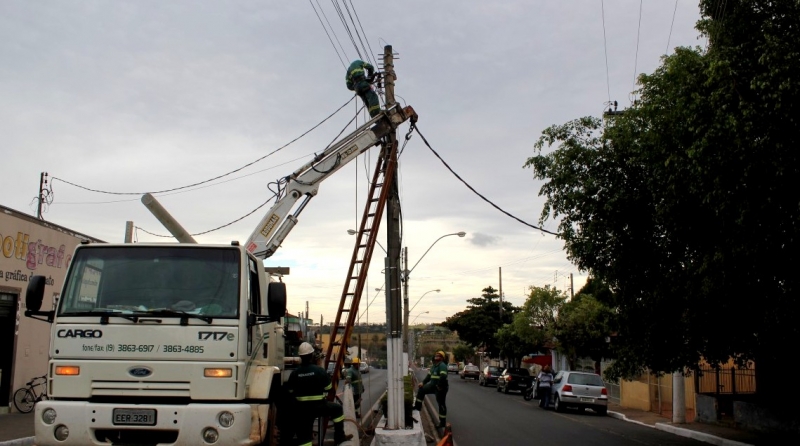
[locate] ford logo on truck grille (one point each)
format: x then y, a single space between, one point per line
140 372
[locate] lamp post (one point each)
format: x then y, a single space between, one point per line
418 315
405 278
423 295
412 340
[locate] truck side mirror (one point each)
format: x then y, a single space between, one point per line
34 294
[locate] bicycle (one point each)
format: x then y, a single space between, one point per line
26 398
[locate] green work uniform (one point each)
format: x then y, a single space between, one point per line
353 378
307 387
435 382
356 80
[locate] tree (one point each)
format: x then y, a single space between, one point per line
583 329
687 204
478 323
535 323
464 352
511 346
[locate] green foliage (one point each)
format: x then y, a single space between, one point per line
478 323
584 327
511 346
687 204
464 353
535 323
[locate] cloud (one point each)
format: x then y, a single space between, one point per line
480 239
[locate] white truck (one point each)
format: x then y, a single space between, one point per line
178 344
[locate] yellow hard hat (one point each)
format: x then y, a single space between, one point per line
355 361
440 353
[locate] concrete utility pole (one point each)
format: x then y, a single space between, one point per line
678 398
128 232
394 325
571 286
500 272
42 182
166 219
406 310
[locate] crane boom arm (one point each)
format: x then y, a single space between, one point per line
303 183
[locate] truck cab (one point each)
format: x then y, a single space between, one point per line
162 344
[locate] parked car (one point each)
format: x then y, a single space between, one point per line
581 390
363 367
489 375
452 367
470 371
514 378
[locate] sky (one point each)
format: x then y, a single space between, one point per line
145 96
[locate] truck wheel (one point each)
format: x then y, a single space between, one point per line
273 434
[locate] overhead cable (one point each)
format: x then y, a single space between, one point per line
218 176
332 31
416 127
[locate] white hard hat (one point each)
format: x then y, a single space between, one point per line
305 349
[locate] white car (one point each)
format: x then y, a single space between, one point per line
579 389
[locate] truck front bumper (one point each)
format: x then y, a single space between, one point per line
192 424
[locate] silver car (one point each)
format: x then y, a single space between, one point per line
579 389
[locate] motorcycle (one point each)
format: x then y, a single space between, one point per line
530 392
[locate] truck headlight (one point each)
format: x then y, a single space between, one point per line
61 433
210 435
49 416
225 419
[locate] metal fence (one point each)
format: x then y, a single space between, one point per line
725 380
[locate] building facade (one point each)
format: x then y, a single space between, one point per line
28 247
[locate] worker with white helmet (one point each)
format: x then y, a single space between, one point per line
308 385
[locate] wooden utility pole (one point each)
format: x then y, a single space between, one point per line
394 308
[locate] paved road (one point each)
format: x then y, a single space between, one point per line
481 416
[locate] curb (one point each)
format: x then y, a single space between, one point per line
621 416
700 436
26 441
683 432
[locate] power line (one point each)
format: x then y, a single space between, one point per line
218 176
636 59
274 197
346 27
476 192
362 29
670 27
605 48
326 33
369 56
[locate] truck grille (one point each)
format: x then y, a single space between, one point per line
141 388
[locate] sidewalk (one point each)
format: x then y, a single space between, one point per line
16 429
709 433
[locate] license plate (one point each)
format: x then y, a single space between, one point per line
587 400
135 417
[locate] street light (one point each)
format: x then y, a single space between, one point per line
405 277
353 232
418 315
423 295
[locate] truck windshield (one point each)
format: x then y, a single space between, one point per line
138 279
